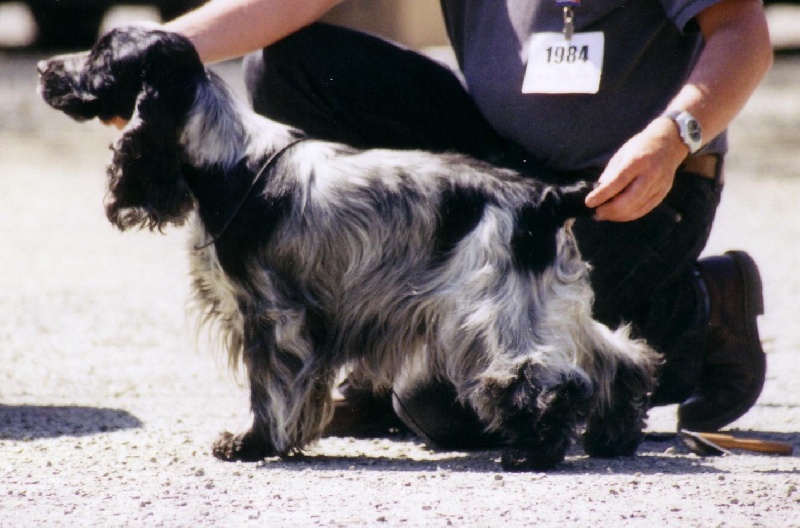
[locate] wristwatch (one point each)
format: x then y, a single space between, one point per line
688 128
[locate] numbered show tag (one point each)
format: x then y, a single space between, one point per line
560 66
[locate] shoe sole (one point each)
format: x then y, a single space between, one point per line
754 306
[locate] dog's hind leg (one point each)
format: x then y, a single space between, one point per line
616 429
537 411
615 423
290 394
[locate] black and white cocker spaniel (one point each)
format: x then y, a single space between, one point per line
312 257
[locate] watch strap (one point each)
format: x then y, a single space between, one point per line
689 129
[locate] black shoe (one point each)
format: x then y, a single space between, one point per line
362 414
431 411
735 366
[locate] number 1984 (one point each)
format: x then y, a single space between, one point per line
567 54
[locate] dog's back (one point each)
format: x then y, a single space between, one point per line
372 240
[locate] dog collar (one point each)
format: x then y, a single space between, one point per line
267 164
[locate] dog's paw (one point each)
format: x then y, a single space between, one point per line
245 447
524 460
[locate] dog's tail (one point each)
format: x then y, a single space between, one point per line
567 201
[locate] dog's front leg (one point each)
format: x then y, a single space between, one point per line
256 443
290 392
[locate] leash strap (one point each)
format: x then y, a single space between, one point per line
267 164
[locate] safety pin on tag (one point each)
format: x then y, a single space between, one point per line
569 23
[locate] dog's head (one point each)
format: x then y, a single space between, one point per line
147 77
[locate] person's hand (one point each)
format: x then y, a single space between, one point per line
640 174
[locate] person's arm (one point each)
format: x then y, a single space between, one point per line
736 57
224 29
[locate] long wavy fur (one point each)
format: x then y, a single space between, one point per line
397 266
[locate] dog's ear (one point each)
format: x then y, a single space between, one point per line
146 187
79 105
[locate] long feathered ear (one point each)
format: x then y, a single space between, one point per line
145 185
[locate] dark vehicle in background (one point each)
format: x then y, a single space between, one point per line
72 24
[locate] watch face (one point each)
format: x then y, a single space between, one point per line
693 128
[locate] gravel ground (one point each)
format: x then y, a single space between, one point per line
109 402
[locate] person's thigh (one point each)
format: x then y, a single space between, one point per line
342 85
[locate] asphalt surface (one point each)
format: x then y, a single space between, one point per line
109 400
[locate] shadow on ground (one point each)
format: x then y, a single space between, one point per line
30 422
660 453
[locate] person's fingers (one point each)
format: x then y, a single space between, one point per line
633 203
611 183
644 208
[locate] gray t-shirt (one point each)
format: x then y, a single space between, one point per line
650 48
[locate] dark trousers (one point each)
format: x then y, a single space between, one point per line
345 86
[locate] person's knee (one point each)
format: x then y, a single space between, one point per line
271 75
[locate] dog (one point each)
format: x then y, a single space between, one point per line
312 257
